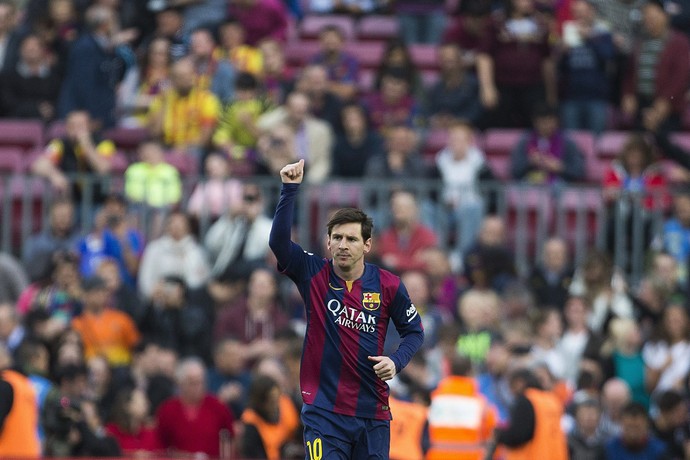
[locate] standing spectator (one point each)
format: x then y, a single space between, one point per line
551 277
185 115
79 152
152 181
393 104
588 52
585 442
323 104
104 330
175 253
261 19
238 241
577 342
546 154
341 66
355 144
218 193
636 439
131 425
547 328
659 70
456 95
400 245
515 68
59 235
216 75
97 63
10 35
670 424
31 88
194 422
232 46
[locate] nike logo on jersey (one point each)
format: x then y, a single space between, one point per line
335 288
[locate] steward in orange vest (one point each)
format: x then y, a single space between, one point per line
407 429
18 417
535 422
461 421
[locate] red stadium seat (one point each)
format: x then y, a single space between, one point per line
435 141
12 160
186 164
366 80
500 142
298 53
682 140
424 56
378 27
55 130
24 134
610 143
311 26
127 140
368 54
500 166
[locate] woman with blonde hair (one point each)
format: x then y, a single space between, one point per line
622 357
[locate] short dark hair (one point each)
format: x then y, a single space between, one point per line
634 409
351 216
669 400
527 376
460 365
246 82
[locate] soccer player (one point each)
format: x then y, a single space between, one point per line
349 303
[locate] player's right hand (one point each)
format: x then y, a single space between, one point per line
292 173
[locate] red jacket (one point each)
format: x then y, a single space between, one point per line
405 251
653 184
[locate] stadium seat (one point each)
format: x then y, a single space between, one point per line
298 53
120 163
682 140
186 164
55 130
24 134
377 27
500 166
424 56
368 54
610 144
366 80
435 141
500 142
311 26
12 160
127 140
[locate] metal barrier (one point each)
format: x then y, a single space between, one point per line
532 213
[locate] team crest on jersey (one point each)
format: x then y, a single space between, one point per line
371 300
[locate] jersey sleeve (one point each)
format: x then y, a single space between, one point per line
408 324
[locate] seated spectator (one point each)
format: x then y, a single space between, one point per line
462 167
636 439
261 19
341 66
194 422
104 330
101 384
397 55
675 235
131 424
670 423
152 181
96 246
270 420
478 312
546 154
456 95
78 153
401 244
353 7
547 328
59 235
13 278
401 160
551 277
219 192
393 104
468 30
184 116
237 133
150 78
238 241
312 139
169 24
276 148
356 144
122 225
215 75
277 78
30 90
323 104
584 64
176 253
658 71
585 441
577 343
659 287
123 295
443 282
489 263
229 378
232 46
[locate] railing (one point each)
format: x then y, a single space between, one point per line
532 213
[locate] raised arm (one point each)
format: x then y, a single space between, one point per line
279 239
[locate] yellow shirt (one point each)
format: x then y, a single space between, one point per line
185 116
55 150
155 185
230 129
244 58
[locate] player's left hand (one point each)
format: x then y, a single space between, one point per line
384 367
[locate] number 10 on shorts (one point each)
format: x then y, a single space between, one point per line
315 449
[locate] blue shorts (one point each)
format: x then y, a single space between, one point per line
331 436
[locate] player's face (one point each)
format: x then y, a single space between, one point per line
347 246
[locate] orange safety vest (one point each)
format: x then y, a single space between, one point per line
19 434
274 435
407 429
461 421
548 441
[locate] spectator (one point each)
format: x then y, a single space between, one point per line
261 19
237 133
208 429
468 30
636 439
33 360
129 240
13 278
208 14
104 330
238 241
353 7
59 235
169 24
79 152
615 396
585 441
401 244
547 329
58 27
624 26
312 140
421 21
234 48
123 295
394 104
356 144
456 95
577 342
675 234
659 287
670 423
151 371
488 263
546 154
277 77
270 420
462 167
342 67
584 65
101 385
276 148
323 104
478 312
444 284
219 192
551 277
176 253
190 132
12 332
216 75
659 70
401 160
31 88
131 425
152 181
96 65
397 55
10 35
493 382
96 246
229 378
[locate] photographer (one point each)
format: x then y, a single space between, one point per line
71 422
